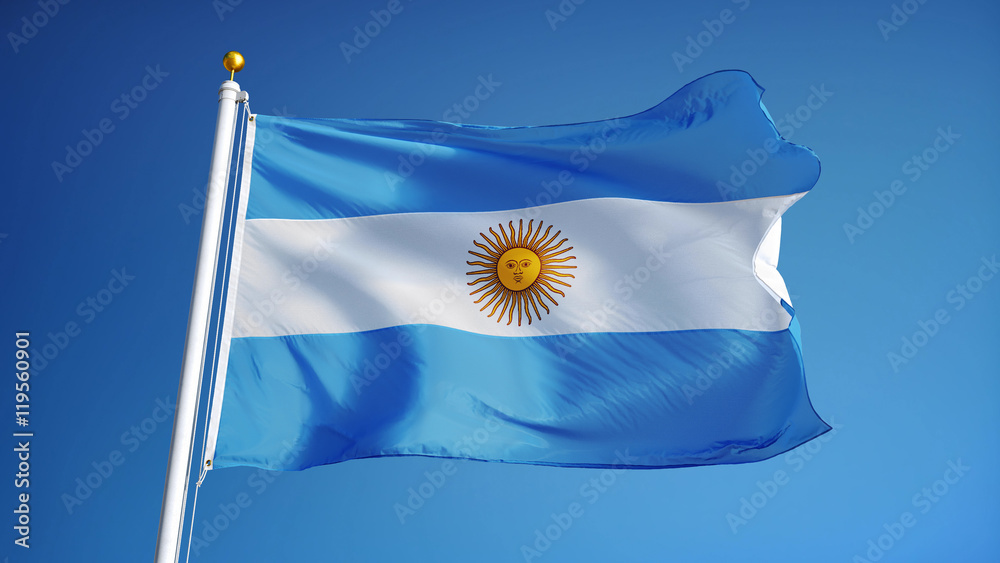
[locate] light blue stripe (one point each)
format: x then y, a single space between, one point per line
712 130
592 400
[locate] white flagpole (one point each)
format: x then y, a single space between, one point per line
168 540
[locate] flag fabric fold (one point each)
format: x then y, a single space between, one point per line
601 294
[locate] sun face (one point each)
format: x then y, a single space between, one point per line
520 270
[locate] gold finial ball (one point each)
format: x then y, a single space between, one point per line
233 61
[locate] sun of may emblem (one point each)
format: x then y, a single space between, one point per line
520 270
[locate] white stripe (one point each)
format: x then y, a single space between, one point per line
641 266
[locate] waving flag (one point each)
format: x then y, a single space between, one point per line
597 294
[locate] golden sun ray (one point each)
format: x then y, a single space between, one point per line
519 268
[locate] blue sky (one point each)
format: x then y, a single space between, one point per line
890 261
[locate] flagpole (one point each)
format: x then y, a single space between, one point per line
168 539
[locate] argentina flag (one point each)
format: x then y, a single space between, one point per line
600 294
